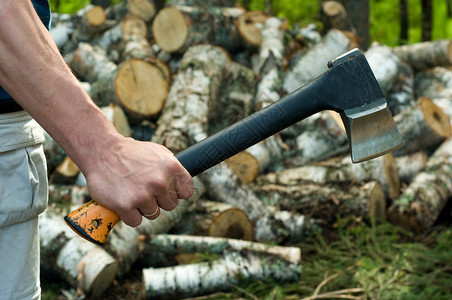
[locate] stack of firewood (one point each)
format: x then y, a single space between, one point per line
178 73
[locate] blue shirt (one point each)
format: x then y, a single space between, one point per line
43 9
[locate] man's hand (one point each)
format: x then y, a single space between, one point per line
138 179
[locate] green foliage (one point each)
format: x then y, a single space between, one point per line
71 6
376 261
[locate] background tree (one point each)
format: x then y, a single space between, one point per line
427 13
403 6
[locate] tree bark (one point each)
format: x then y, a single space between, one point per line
426 55
260 262
216 219
65 173
130 25
222 185
424 125
421 203
434 83
176 28
359 15
340 170
402 95
184 119
427 14
82 264
385 65
314 62
326 202
404 25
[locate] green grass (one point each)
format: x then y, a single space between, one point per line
366 262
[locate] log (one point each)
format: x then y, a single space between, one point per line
65 173
73 195
138 86
271 59
130 25
122 244
434 83
235 97
223 185
402 95
80 263
118 118
314 61
90 63
61 30
202 3
424 125
426 55
337 17
184 118
240 259
409 166
384 64
328 201
145 9
88 22
340 170
135 46
176 28
216 219
320 138
421 203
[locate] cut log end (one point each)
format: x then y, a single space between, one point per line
170 29
143 8
436 118
141 87
244 166
96 16
231 223
250 26
133 25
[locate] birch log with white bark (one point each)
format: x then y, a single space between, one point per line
423 125
326 202
434 83
340 170
421 203
216 219
384 64
184 119
223 185
82 264
426 55
314 61
176 28
402 95
238 258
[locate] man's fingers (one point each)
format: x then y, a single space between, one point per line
132 218
153 215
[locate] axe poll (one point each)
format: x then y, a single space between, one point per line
348 87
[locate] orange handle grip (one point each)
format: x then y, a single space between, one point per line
93 222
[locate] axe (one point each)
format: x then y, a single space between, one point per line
348 87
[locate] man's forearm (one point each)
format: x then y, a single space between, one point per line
35 74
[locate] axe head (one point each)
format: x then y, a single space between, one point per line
369 124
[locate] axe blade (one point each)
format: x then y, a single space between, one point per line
371 131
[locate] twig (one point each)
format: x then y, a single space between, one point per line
338 294
325 281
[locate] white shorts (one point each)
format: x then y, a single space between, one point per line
23 196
